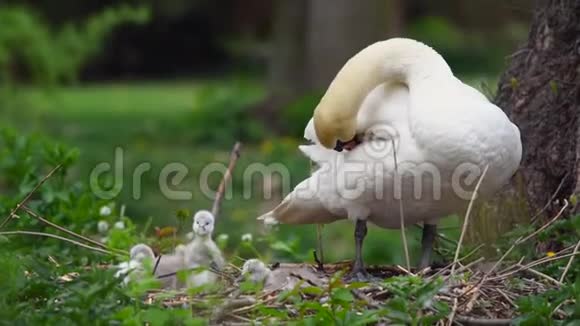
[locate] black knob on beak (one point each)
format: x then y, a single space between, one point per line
339 146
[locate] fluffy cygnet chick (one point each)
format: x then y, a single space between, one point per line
283 277
169 265
134 269
202 250
255 271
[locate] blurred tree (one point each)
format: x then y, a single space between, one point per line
288 51
312 39
337 29
540 91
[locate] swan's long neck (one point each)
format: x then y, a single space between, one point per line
395 60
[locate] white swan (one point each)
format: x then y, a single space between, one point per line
445 133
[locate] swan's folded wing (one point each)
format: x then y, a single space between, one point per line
317 153
302 206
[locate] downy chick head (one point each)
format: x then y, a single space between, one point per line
203 223
140 252
255 271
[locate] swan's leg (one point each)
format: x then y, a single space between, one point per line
358 272
429 233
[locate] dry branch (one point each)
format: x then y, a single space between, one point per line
569 263
401 212
27 197
235 154
48 235
62 229
466 219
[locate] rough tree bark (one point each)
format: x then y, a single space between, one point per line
540 92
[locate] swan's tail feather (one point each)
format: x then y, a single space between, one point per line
268 219
293 210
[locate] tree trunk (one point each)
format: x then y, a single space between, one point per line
288 53
540 92
338 29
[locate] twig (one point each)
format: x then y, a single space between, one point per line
569 263
442 270
230 307
103 251
508 299
452 314
466 267
522 240
534 263
62 229
533 219
466 219
401 212
440 235
405 270
482 322
27 197
540 274
157 261
474 296
235 154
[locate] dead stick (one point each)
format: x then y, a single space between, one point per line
103 251
522 240
466 219
533 219
482 322
532 264
60 228
27 197
235 154
540 274
401 212
569 263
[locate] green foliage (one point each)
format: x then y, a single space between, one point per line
541 309
466 53
563 233
411 302
221 114
24 161
50 57
412 297
297 114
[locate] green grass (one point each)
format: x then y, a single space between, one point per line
150 121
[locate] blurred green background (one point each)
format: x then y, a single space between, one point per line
182 80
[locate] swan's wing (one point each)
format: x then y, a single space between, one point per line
317 153
302 206
314 151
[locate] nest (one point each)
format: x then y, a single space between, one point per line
476 294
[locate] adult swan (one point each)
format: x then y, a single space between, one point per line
399 97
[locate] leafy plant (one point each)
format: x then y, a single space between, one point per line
413 301
28 47
541 309
221 116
